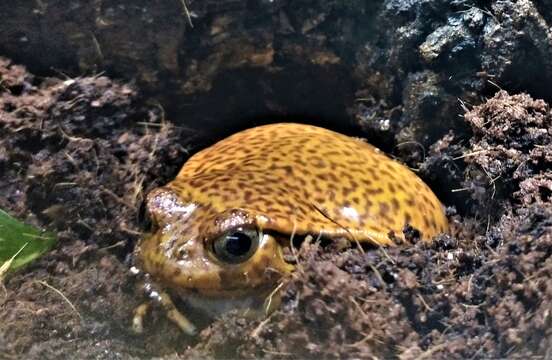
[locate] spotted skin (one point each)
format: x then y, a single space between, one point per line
280 179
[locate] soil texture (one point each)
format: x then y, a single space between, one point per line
458 90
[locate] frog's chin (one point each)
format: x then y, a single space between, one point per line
213 306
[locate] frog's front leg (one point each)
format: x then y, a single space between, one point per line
176 316
162 298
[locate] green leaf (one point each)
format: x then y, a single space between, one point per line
16 236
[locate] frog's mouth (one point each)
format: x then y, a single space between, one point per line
213 307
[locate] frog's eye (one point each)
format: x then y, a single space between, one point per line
237 245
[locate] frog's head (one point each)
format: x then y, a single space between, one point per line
198 249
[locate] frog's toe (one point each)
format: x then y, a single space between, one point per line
176 316
138 318
172 313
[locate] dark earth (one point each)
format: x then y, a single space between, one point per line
102 101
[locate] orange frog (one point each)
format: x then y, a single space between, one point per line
221 225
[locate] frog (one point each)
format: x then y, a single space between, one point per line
221 227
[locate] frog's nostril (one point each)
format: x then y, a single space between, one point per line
182 253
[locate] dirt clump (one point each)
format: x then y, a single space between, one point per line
511 148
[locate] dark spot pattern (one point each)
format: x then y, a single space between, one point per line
278 169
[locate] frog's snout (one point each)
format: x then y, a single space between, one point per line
185 252
165 206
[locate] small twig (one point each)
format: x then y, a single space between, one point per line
187 13
491 181
463 105
145 123
138 189
357 305
277 352
44 283
255 333
460 189
363 340
271 295
293 250
83 223
385 254
470 154
65 184
97 47
429 352
345 229
378 275
429 308
153 148
494 84
69 137
35 236
117 244
117 198
6 265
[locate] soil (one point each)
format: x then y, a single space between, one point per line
451 88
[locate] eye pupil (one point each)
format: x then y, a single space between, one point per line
238 244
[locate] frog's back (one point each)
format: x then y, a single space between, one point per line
306 179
